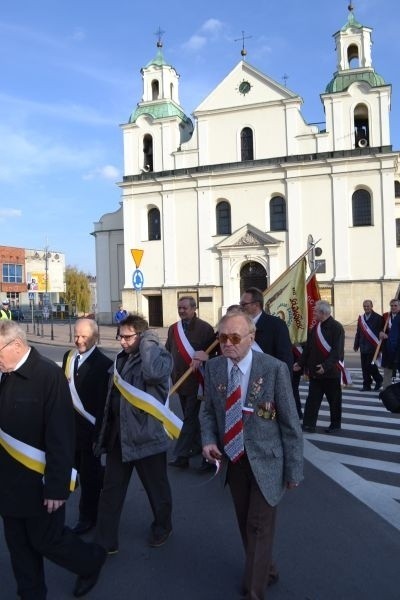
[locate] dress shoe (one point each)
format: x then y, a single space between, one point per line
308 429
83 526
331 429
83 584
181 462
158 539
378 386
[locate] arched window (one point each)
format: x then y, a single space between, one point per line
223 218
246 144
147 152
362 210
155 89
397 189
361 126
353 57
154 224
277 214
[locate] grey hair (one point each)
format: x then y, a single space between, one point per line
191 300
10 330
235 313
92 324
323 306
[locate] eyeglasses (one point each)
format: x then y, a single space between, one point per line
8 343
234 338
126 337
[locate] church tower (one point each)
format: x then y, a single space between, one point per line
158 126
357 99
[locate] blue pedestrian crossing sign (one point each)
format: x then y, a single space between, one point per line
137 279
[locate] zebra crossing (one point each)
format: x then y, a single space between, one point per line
364 457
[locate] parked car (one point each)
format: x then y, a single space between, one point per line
17 314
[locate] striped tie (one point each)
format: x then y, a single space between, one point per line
233 437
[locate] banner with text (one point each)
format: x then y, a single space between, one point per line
287 300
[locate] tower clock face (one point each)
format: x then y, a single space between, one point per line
244 87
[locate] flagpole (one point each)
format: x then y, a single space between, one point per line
186 374
296 262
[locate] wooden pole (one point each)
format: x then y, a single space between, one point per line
378 348
186 374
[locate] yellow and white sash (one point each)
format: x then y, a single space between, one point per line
27 455
149 404
69 372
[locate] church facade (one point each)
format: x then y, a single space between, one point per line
235 195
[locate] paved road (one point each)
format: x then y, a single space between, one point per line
337 537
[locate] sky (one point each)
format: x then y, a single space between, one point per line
70 76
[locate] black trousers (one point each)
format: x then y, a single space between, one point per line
370 372
256 519
333 392
152 472
29 540
189 441
91 475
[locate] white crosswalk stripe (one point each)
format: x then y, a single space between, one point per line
364 457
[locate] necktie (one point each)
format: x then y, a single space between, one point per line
76 364
233 437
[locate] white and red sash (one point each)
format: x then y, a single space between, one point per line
366 331
187 351
345 377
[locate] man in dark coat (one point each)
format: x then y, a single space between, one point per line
272 334
388 347
187 340
322 358
86 369
36 411
366 340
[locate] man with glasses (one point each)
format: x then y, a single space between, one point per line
86 369
250 427
36 460
272 334
132 437
187 340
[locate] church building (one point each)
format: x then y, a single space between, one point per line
231 196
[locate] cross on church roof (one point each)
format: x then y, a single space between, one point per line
159 33
243 51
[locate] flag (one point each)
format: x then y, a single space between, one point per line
312 296
286 298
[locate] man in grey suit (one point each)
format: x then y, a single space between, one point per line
249 423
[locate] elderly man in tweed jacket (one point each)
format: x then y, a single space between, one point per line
261 454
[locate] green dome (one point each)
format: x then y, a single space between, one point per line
158 60
158 110
343 81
